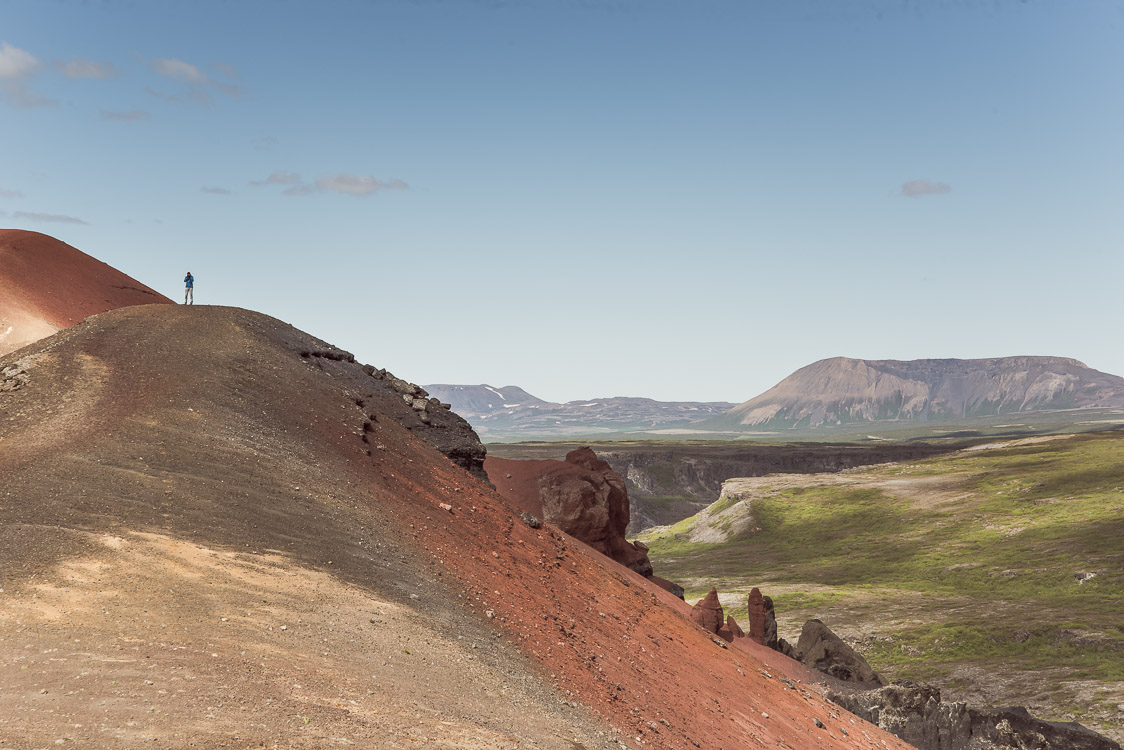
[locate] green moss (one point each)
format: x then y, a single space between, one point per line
975 561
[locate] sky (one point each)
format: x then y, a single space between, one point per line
684 200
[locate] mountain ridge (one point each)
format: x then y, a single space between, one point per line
512 413
843 390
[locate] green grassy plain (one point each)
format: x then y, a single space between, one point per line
963 570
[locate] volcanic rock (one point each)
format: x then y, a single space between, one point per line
707 612
733 627
912 711
582 496
1015 728
822 649
757 616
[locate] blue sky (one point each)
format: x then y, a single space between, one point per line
680 200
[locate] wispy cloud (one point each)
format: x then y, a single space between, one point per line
178 70
215 190
17 64
160 95
280 177
134 115
198 81
299 190
919 188
358 185
86 69
229 71
21 96
4 193
48 218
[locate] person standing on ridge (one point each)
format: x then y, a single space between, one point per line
189 289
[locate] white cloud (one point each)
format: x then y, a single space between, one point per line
280 177
86 69
919 188
49 218
178 70
130 116
358 185
16 64
215 190
10 193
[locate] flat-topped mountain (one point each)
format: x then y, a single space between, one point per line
512 413
841 390
47 285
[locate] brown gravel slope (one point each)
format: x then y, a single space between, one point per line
47 285
196 550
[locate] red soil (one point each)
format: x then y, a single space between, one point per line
251 449
47 285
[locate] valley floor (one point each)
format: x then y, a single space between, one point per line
995 573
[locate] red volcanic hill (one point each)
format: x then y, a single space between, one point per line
216 530
47 285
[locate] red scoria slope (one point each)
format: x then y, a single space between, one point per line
207 539
47 285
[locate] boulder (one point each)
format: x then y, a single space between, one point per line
582 496
912 711
707 613
823 650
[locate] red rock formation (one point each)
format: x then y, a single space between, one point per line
733 627
47 285
757 616
582 496
707 613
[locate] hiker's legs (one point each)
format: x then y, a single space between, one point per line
189 294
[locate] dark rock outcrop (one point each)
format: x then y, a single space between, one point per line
1016 728
823 650
404 402
582 496
912 711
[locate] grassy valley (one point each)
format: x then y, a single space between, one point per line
994 572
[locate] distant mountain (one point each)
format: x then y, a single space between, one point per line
511 413
841 391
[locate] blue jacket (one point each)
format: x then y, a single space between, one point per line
189 280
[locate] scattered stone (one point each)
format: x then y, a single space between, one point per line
818 723
530 520
446 506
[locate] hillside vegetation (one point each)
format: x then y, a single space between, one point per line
995 573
